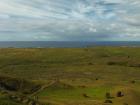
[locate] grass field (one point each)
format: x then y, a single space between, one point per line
70 76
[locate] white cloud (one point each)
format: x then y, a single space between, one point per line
69 19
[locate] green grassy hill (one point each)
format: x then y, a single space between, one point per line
72 76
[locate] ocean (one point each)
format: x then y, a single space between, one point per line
66 44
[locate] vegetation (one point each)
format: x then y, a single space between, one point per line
70 76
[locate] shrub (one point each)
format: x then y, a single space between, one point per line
108 95
108 101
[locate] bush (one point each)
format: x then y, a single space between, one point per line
111 63
108 101
108 95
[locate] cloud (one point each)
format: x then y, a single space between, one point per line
69 20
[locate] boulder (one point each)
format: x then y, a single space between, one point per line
120 94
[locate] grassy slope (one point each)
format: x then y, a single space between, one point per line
115 67
6 101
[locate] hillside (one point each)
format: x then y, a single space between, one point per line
70 76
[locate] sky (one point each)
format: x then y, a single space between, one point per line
69 20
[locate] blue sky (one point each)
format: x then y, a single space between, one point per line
69 20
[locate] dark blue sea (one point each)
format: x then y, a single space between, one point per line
66 44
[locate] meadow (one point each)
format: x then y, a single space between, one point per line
70 76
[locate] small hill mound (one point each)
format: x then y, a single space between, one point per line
18 85
60 85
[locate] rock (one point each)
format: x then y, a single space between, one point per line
120 94
86 96
133 81
90 63
13 97
97 79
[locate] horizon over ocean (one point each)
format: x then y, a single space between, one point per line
66 44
